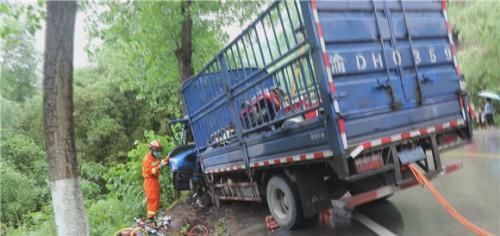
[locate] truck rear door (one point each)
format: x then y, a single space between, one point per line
392 65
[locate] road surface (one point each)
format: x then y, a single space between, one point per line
474 191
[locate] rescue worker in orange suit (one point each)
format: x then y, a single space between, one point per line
151 166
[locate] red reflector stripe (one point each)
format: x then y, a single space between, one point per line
405 135
289 159
453 49
439 127
327 60
318 155
332 87
320 29
386 140
342 125
423 131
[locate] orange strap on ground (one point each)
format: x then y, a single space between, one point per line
460 218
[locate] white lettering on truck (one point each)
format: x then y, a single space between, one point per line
416 56
396 56
432 55
360 62
337 64
377 60
337 61
447 53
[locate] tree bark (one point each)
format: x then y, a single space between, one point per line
67 199
185 51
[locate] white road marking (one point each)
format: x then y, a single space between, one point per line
372 225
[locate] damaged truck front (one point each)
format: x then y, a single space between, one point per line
323 99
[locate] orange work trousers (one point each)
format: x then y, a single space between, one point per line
152 190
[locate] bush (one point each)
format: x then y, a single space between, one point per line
9 113
19 195
26 156
108 216
40 223
92 180
23 155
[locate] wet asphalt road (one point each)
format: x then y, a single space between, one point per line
474 191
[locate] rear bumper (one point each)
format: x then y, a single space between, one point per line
385 191
417 133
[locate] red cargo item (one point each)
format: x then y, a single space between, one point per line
271 224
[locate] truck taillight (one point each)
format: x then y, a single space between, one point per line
367 163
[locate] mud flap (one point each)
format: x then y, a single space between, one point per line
312 191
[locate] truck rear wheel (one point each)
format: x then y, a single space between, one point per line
283 202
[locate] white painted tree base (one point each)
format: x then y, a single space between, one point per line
67 200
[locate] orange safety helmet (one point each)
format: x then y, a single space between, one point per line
155 145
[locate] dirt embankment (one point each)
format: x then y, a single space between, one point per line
229 219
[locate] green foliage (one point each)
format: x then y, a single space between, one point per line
9 114
21 154
106 119
221 226
31 119
91 180
18 194
18 58
477 24
40 223
136 44
125 181
12 13
107 216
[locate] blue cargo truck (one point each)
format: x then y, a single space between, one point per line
319 100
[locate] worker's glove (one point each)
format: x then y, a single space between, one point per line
164 162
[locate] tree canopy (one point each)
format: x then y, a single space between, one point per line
477 24
19 62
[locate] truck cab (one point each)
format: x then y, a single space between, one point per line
183 159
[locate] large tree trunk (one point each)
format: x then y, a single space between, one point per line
67 199
185 51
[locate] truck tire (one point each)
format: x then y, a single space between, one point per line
283 202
